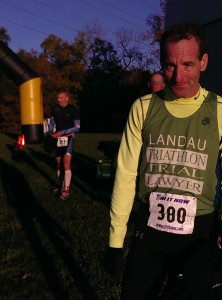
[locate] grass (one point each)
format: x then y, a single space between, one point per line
53 249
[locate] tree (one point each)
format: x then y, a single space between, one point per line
155 24
9 97
4 37
129 47
84 45
64 68
104 77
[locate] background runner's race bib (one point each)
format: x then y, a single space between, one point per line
62 141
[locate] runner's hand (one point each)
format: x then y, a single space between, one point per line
113 262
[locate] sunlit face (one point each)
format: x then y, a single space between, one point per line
63 99
156 83
182 67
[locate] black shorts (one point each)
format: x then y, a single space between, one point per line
154 253
69 149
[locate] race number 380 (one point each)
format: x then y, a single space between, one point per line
172 213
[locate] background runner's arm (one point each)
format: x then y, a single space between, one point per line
74 129
51 125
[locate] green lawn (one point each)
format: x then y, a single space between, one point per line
53 249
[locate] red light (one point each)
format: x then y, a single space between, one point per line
21 141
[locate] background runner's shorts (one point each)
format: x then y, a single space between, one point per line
60 151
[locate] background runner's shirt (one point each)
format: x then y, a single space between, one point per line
65 118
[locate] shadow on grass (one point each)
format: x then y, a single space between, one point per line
30 212
84 174
85 178
83 171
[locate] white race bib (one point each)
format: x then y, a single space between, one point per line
172 213
62 141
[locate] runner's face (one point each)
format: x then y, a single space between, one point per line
63 99
182 67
